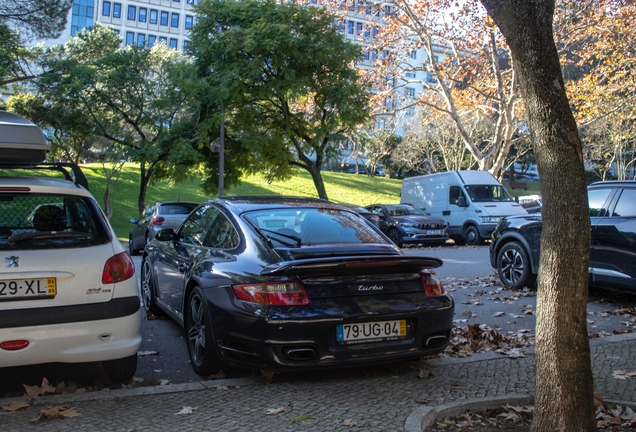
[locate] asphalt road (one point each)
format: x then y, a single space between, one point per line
466 273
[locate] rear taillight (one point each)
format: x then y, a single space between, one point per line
14 345
432 284
273 293
157 220
118 269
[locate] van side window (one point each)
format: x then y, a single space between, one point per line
453 195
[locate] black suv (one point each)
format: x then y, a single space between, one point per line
514 250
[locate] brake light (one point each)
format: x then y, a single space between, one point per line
272 293
118 268
432 284
14 345
157 220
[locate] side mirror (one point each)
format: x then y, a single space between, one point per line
133 220
166 234
461 201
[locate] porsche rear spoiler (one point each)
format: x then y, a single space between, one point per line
353 265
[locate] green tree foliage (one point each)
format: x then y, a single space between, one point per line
35 18
286 77
141 99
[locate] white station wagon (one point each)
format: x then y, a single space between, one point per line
68 291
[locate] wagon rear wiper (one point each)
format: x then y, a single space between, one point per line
287 236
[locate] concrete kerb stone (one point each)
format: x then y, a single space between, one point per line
424 417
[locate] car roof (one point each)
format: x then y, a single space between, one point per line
43 185
247 203
631 183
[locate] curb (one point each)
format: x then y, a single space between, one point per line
422 418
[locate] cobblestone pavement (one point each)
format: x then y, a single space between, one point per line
321 402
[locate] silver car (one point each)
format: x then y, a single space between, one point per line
157 216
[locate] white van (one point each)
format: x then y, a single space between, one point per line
472 202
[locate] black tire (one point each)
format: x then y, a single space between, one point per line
131 246
121 370
513 266
459 241
395 237
472 237
148 293
199 336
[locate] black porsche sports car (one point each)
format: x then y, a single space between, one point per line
293 283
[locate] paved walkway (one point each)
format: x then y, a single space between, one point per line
386 402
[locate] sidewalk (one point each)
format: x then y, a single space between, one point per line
390 402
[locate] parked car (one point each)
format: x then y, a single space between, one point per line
365 213
68 291
292 283
155 217
531 203
514 251
404 223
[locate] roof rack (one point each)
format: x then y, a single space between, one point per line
72 172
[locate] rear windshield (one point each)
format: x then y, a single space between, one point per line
313 226
176 209
32 221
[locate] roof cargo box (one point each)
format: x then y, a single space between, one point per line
21 142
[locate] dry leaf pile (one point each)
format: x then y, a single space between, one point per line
51 413
476 338
609 417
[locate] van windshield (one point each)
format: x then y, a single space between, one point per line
488 193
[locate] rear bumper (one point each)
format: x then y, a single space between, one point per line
74 342
305 338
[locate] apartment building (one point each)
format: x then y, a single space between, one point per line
139 22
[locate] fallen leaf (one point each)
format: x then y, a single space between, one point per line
186 410
275 411
16 406
423 374
349 423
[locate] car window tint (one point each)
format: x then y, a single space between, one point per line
221 234
315 226
41 222
176 209
196 227
597 198
626 205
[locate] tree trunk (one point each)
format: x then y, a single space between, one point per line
564 383
145 175
317 178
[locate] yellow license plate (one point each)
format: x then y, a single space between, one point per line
25 289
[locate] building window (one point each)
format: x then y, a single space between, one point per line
141 39
163 40
350 27
186 47
374 54
153 16
106 8
410 74
413 54
116 10
132 12
142 14
367 32
164 18
175 20
130 38
116 31
173 43
190 1
358 29
189 21
151 40
374 32
82 15
365 54
410 92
